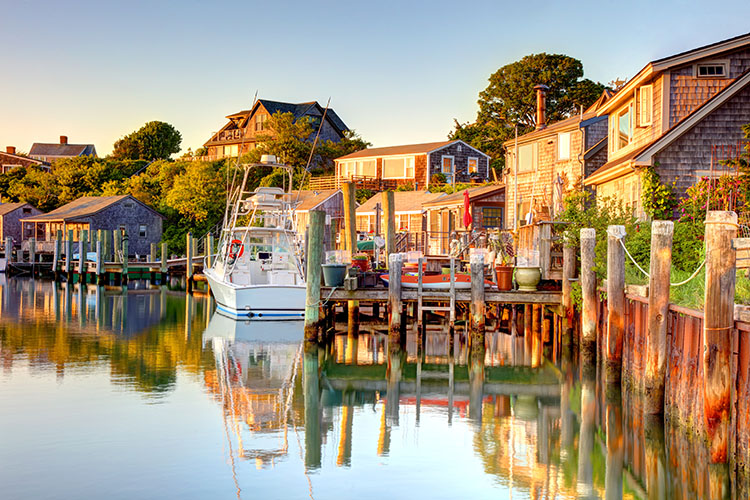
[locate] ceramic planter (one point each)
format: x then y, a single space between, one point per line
334 274
528 278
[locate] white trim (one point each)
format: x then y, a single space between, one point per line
468 164
345 158
692 119
650 118
724 63
405 157
557 146
453 164
666 84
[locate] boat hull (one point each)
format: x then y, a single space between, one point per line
279 302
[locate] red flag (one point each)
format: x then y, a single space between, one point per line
467 209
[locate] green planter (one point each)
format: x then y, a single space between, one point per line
528 278
334 274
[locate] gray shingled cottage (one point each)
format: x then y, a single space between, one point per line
142 223
10 219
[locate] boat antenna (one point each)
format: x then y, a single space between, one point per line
312 150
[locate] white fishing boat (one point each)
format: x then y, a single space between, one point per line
257 271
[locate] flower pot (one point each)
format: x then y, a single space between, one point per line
504 277
362 264
528 278
334 274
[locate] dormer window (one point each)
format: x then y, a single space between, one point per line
713 69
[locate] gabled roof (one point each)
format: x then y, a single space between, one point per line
572 123
308 200
4 156
84 207
616 167
407 149
476 193
403 202
45 149
593 150
666 63
299 110
6 208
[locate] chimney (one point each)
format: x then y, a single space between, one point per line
64 138
541 106
11 150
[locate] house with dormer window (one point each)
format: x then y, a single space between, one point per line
681 115
241 133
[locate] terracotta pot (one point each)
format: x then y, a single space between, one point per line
528 278
362 264
504 277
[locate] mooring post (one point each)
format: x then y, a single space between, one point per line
658 308
99 264
588 292
209 249
32 255
395 264
9 249
56 256
125 253
476 263
189 262
82 251
569 271
390 223
312 276
721 228
615 302
69 256
536 335
163 263
350 237
117 237
152 253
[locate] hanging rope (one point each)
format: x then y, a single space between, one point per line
695 273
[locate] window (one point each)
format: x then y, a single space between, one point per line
473 165
260 122
128 204
142 230
26 210
527 157
563 146
231 151
447 165
398 168
492 217
623 130
712 70
402 222
646 105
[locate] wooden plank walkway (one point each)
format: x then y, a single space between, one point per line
408 295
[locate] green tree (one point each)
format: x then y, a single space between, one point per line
155 140
37 187
510 100
198 193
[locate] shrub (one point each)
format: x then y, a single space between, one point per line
658 199
438 179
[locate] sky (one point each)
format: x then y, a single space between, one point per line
397 72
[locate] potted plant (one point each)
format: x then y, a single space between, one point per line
333 272
361 261
502 244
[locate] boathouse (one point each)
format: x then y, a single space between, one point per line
142 224
10 220
331 201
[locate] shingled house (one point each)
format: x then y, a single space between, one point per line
543 165
10 160
240 134
407 210
681 115
331 201
92 213
10 220
47 152
413 165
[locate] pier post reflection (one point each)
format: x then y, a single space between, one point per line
476 382
615 451
311 384
585 487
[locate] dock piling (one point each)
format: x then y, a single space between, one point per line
189 262
350 236
390 223
125 251
721 228
69 256
395 264
615 302
658 308
82 250
312 276
588 292
56 255
478 307
569 270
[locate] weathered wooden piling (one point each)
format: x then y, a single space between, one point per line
69 255
82 251
569 271
189 262
395 265
477 299
350 236
536 335
658 309
32 255
163 262
209 249
615 302
314 258
99 263
390 223
9 249
117 237
718 322
588 292
125 253
56 255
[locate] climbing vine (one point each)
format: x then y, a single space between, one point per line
659 200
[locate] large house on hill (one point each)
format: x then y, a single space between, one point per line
240 134
413 165
10 160
681 115
542 165
47 152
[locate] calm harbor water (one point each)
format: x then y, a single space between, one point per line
146 393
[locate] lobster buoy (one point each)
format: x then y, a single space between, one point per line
233 253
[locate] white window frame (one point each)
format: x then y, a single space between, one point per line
724 63
408 162
615 139
145 230
468 165
442 164
569 138
534 158
646 94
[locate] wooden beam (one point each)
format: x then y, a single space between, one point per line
615 302
390 223
312 276
588 291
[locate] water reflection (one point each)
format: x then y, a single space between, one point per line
263 414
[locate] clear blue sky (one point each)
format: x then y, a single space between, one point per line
397 72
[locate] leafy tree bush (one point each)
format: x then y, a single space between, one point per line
362 195
438 179
658 199
405 187
155 140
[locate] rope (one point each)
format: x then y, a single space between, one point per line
321 303
695 273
